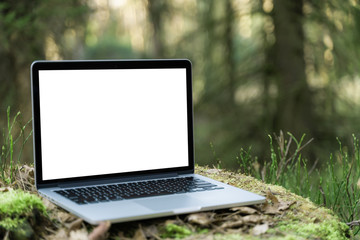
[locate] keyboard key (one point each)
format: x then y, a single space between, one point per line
131 190
146 195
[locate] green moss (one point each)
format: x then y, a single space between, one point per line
23 231
328 229
175 231
16 206
11 223
251 237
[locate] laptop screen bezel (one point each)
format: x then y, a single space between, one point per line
103 65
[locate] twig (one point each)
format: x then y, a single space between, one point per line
314 166
21 179
6 237
263 173
296 152
216 229
50 230
353 223
280 141
347 184
288 147
323 194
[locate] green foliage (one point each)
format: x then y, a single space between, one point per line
341 186
246 162
9 165
335 185
176 231
16 206
217 159
285 167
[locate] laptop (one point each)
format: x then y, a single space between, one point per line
113 141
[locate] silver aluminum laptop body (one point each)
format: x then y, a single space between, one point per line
100 123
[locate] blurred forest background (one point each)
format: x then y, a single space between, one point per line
259 66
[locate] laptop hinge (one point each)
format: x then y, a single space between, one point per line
116 180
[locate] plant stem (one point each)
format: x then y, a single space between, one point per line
11 158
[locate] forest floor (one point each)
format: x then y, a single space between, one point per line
283 216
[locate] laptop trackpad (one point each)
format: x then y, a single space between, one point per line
177 203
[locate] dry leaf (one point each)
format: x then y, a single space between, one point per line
65 217
49 205
270 209
139 235
260 229
276 206
252 219
28 170
27 173
244 210
285 205
151 231
270 196
5 189
60 235
74 225
170 221
202 219
232 217
100 231
80 234
14 184
235 224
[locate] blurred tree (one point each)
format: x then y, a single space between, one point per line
28 30
304 49
32 30
332 61
229 51
258 66
218 116
309 50
156 10
294 104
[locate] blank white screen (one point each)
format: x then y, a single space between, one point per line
97 122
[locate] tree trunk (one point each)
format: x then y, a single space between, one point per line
156 10
229 52
294 111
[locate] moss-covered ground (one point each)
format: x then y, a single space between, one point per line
24 215
303 220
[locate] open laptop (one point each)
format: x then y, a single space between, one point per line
113 140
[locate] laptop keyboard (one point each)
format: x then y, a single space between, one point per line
131 190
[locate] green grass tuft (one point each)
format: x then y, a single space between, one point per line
13 141
335 184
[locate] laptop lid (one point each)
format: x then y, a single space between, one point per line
101 120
